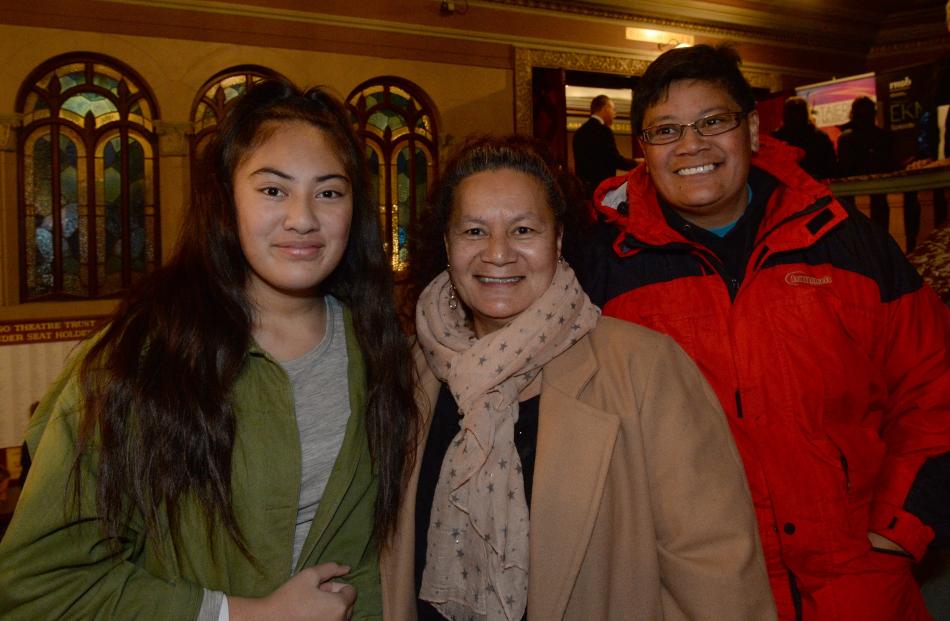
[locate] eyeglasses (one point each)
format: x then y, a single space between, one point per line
668 133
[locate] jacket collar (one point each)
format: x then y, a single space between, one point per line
799 213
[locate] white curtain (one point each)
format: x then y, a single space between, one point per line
26 371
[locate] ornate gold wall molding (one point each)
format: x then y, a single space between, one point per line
527 58
763 79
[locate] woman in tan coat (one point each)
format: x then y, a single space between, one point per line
569 466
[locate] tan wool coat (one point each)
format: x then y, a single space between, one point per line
640 509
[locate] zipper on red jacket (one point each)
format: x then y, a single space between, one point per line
759 251
818 205
796 595
715 264
844 468
628 244
738 404
732 283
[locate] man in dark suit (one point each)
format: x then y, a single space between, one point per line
595 150
798 130
866 149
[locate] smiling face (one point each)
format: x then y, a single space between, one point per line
702 177
294 207
503 244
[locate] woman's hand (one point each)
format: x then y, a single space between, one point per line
310 595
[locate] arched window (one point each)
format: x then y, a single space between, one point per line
88 178
396 121
217 96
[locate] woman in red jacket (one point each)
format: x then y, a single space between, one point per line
826 350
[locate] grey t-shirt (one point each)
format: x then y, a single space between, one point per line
322 408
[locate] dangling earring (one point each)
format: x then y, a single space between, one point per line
453 301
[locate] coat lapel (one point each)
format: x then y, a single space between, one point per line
397 561
575 445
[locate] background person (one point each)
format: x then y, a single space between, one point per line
798 130
866 149
638 507
235 439
827 352
596 156
931 144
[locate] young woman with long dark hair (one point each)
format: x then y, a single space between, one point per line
234 441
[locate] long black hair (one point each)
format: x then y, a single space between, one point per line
157 382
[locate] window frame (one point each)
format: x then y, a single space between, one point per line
388 148
133 91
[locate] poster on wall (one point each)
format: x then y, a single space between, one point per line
902 94
830 101
32 355
915 100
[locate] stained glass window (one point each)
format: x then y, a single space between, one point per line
395 120
217 96
88 197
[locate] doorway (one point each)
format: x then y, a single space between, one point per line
580 88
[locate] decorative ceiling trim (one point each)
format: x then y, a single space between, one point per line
527 59
815 40
306 17
933 44
743 24
359 23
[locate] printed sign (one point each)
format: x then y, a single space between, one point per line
830 101
46 331
902 99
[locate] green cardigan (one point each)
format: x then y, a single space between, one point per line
55 564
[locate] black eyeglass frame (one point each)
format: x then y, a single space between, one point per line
681 127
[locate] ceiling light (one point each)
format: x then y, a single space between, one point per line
663 39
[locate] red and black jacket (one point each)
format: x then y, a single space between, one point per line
830 358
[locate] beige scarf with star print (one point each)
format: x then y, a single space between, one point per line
477 556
